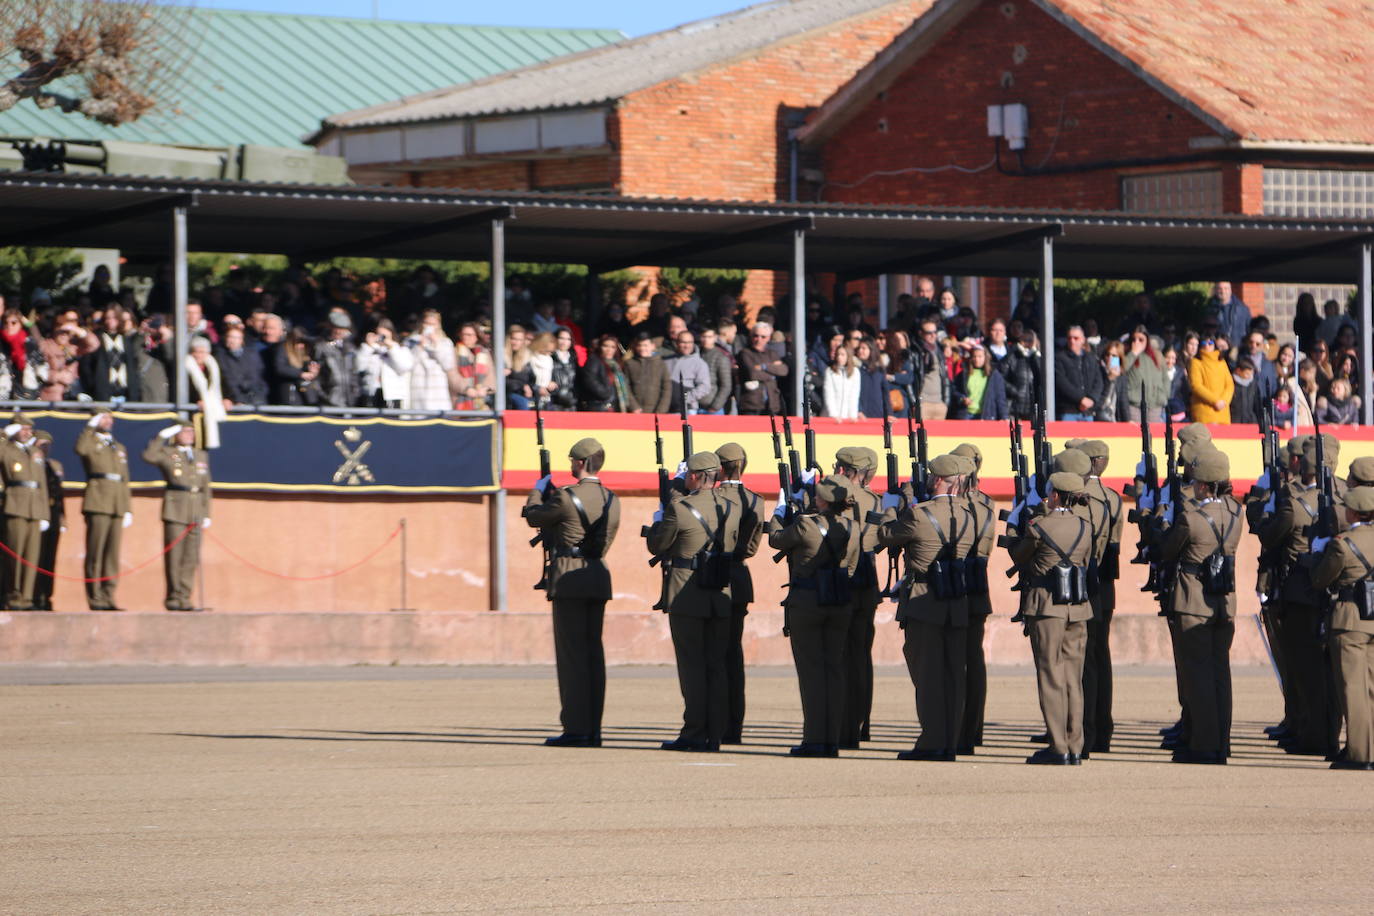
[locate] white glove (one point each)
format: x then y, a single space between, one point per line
1140 468
543 484
204 523
128 519
751 385
1033 498
892 501
1263 482
681 471
93 421
1166 495
808 477
781 509
1146 501
1271 505
1014 516
63 529
658 516
44 524
1319 544
169 431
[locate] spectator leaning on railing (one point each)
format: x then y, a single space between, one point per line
689 374
648 376
1145 378
1078 379
433 363
242 373
338 360
759 371
385 365
293 373
841 385
722 366
1209 379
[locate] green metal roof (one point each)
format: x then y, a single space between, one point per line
269 78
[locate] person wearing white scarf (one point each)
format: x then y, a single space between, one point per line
204 373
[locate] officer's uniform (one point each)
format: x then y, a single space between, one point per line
1058 632
822 551
692 529
185 511
26 507
1346 565
1206 617
1189 449
577 583
748 517
104 506
47 552
936 629
984 510
859 639
1097 665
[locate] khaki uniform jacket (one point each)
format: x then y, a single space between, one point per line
1036 558
679 536
921 544
1191 541
585 577
1285 538
187 498
746 509
101 455
1339 567
984 511
26 483
1116 517
866 501
809 549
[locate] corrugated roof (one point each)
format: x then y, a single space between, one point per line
268 78
616 70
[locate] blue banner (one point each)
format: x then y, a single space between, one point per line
309 454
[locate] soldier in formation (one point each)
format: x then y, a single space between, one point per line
185 507
105 506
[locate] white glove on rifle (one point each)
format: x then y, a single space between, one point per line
1147 500
204 523
681 471
1319 544
1140 468
1263 482
44 524
781 509
94 421
128 519
892 501
543 484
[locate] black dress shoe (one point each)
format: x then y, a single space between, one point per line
1047 757
681 744
917 753
1076 760
812 750
1351 765
1342 754
1276 731
1174 743
1183 755
566 740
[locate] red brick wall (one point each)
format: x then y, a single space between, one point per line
526 175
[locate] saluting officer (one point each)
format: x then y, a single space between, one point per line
26 510
1347 564
185 507
105 506
1097 665
696 537
47 552
822 547
984 511
749 523
1202 542
578 525
856 464
933 610
1055 554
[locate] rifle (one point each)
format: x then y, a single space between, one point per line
1146 491
809 434
793 459
1042 452
1325 526
687 450
1018 518
916 445
784 476
893 484
1161 579
545 470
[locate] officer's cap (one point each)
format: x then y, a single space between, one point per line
850 457
833 489
703 461
42 435
970 451
1360 499
584 448
1074 462
870 458
1212 466
1067 482
1361 472
730 451
1094 448
22 420
949 465
1194 432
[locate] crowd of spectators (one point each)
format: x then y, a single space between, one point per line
330 341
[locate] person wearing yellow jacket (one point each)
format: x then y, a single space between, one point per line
1210 378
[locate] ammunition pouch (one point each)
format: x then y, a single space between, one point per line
1217 574
832 586
976 576
1361 592
713 570
1066 584
866 573
947 579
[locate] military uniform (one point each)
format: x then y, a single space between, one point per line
1109 519
185 512
822 551
867 596
749 518
1347 565
47 552
984 511
1058 632
578 524
104 506
694 533
26 507
935 628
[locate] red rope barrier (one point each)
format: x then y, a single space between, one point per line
330 575
119 575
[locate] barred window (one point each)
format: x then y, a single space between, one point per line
1173 193
1317 193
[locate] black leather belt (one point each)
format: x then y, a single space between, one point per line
180 489
27 484
684 563
568 553
109 476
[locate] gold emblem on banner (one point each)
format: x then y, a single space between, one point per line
353 471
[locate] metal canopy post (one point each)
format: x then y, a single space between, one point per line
799 341
496 518
1047 322
181 345
1367 330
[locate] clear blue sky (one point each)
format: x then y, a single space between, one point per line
634 17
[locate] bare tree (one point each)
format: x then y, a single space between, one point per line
112 61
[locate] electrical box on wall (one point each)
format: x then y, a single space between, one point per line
1010 121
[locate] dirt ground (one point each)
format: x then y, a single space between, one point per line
425 791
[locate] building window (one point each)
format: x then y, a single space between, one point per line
1172 193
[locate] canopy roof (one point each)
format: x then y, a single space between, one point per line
613 232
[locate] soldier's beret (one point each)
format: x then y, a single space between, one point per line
1191 450
971 451
1095 448
870 458
1074 443
1295 446
42 435
584 448
1361 472
703 461
1212 466
1360 499
1193 432
730 451
948 466
833 489
850 457
22 420
1067 482
1074 462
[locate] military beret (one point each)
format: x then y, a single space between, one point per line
1067 482
1361 472
1095 448
1360 499
833 489
1074 462
1193 432
703 461
730 451
969 450
584 448
1074 443
21 419
1295 446
948 466
850 457
1212 466
870 458
966 465
42 435
1191 450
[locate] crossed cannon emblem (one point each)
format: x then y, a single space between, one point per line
353 471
